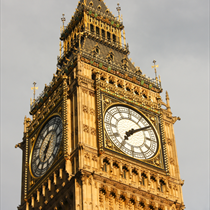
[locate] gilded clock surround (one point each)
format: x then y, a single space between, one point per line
108 101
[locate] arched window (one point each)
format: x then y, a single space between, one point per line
162 183
92 28
114 38
108 36
124 172
143 178
103 34
104 167
97 31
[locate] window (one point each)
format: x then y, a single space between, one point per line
128 89
108 36
124 174
119 85
143 181
91 28
162 183
161 187
97 30
103 33
114 38
111 81
104 167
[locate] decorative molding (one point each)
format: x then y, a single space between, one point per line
92 111
93 131
86 128
85 109
65 123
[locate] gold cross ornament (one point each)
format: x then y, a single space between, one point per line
34 89
154 67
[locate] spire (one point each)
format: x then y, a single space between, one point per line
118 9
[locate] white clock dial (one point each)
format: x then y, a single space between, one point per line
46 146
131 132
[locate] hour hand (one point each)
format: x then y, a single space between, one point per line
132 131
46 149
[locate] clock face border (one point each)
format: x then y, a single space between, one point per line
144 116
34 143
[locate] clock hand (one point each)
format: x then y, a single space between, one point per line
46 148
132 131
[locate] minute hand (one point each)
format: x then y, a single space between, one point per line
132 131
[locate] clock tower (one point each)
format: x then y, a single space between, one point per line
101 137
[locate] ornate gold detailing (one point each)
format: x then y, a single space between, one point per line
92 111
99 114
85 109
86 128
171 161
93 131
34 89
84 90
91 93
155 68
164 144
65 123
174 119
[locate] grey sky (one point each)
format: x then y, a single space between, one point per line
174 33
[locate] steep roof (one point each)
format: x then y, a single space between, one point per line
89 45
98 5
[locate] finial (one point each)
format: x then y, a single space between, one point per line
155 66
63 19
118 9
34 88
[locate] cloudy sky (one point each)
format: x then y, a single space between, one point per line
173 32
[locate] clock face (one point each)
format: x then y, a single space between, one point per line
47 146
131 132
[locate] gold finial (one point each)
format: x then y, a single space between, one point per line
159 79
34 88
155 66
63 19
118 9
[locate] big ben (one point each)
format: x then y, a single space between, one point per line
101 137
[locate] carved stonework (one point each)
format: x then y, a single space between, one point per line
169 142
92 94
93 131
86 128
92 111
85 109
171 161
84 90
